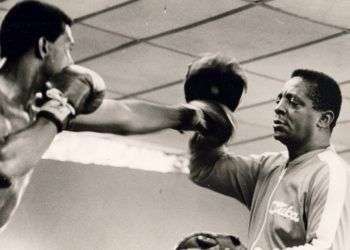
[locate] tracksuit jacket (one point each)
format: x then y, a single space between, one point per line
299 204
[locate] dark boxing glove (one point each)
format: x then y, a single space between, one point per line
213 87
211 241
215 78
211 120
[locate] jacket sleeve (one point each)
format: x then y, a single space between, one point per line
235 176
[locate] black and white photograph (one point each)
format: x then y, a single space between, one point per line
174 124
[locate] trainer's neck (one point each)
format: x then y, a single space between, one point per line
18 79
297 150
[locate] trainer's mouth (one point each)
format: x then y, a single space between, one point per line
278 124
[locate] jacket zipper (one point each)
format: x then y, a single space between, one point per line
268 205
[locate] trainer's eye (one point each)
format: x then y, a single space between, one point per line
277 99
293 101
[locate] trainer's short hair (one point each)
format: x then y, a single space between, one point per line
323 90
26 22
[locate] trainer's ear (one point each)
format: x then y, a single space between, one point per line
325 119
42 48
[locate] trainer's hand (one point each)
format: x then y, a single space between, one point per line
83 88
215 78
213 87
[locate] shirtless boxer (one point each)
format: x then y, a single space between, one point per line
36 41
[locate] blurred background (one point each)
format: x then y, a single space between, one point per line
100 191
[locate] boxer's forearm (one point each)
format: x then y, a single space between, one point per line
128 117
20 152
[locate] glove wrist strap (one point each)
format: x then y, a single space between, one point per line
57 109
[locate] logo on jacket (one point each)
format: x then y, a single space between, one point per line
284 210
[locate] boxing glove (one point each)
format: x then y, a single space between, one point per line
75 90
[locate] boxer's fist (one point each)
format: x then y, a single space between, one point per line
212 120
75 90
98 88
83 88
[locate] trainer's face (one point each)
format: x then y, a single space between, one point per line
295 118
59 55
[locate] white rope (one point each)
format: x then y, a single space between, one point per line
112 150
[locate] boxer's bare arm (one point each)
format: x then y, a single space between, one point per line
128 117
19 152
